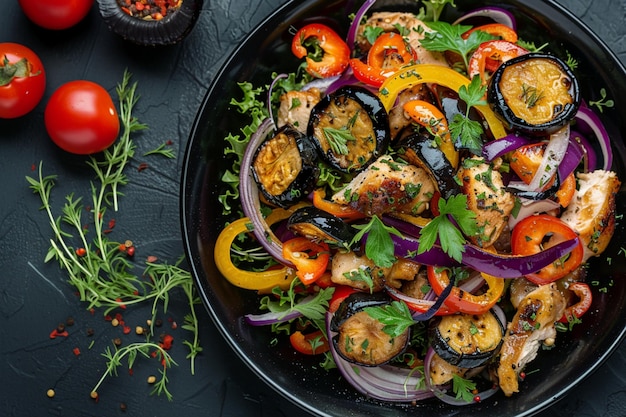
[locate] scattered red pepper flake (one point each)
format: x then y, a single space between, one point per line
142 166
122 306
152 259
56 333
126 329
169 142
80 252
130 251
166 342
76 351
33 167
108 317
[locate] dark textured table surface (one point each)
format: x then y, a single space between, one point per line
35 297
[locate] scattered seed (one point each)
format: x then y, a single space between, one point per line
60 328
139 330
94 395
117 341
90 332
115 322
69 321
158 323
50 393
151 379
123 407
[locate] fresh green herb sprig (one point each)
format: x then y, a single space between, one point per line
396 317
602 102
469 131
96 267
447 37
451 238
433 8
379 245
463 388
162 150
114 361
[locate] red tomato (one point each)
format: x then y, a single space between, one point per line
81 118
22 80
539 232
56 14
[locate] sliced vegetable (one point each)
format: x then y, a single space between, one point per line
318 225
429 116
412 75
535 234
326 53
534 93
464 301
490 55
313 343
350 127
467 340
262 281
342 211
500 30
309 258
285 167
577 310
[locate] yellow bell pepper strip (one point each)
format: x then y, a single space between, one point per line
333 57
412 75
262 281
429 116
464 301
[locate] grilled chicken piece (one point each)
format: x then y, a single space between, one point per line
592 210
387 186
388 22
533 324
487 198
398 120
360 272
295 108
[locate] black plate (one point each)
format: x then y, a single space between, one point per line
576 355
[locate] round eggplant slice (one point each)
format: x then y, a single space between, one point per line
467 340
164 23
360 338
285 167
318 225
535 93
417 149
350 128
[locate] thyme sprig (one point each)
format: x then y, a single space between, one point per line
114 361
97 267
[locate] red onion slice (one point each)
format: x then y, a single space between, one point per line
249 194
497 14
354 27
593 122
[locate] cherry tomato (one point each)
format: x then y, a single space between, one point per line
22 80
539 232
56 14
81 118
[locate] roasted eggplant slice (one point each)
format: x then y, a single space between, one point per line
360 337
534 93
164 22
418 150
350 127
318 225
285 167
467 340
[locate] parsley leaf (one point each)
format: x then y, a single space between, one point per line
433 8
379 245
312 308
395 316
463 388
469 132
450 237
447 37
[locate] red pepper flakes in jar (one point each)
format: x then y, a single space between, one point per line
149 9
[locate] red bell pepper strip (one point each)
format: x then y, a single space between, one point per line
489 55
583 292
309 258
500 30
464 301
429 116
334 55
378 67
539 232
341 293
313 343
